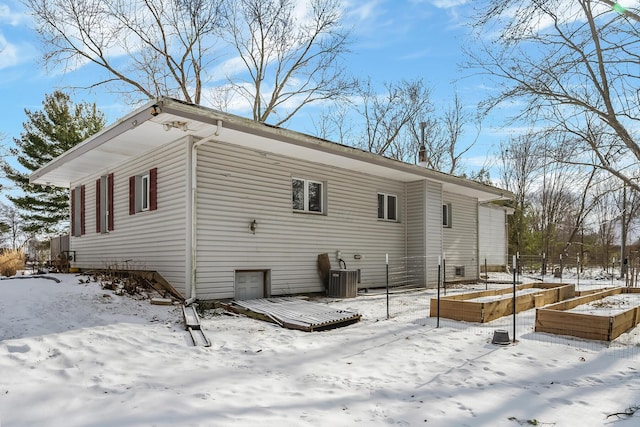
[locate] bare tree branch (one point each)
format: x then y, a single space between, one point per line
153 48
290 55
576 69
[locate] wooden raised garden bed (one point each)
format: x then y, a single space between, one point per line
556 319
462 307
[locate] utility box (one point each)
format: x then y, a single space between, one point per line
342 283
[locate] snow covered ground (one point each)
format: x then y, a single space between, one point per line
74 354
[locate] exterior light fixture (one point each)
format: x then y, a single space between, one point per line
253 226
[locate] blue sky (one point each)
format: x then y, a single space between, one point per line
392 40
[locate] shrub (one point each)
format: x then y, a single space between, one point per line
10 262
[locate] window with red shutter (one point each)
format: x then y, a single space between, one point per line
143 192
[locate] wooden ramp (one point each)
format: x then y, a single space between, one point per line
294 313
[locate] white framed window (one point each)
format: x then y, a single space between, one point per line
307 195
104 204
144 192
446 215
387 207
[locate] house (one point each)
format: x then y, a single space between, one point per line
225 207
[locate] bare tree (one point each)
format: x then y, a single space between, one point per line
607 217
12 227
519 167
290 52
380 121
575 65
444 136
388 118
146 48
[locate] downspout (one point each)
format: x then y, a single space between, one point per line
478 241
193 208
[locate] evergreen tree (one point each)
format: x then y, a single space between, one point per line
59 126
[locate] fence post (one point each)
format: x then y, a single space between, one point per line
438 305
578 271
514 298
387 263
444 272
613 266
561 268
486 275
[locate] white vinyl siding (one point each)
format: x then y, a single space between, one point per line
148 240
237 185
416 223
460 242
492 235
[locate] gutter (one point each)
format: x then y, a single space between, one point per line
192 215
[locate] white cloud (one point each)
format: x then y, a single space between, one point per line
8 53
11 17
227 69
364 11
448 4
629 3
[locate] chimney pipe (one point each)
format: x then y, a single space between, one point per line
422 154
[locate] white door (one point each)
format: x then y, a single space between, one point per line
249 285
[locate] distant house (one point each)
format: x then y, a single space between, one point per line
224 207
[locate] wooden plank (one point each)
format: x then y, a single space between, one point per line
624 322
575 302
606 328
466 311
496 309
573 324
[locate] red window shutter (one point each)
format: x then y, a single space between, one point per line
98 205
132 195
110 202
153 189
73 212
82 209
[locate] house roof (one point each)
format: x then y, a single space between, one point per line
167 120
